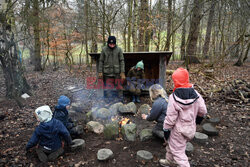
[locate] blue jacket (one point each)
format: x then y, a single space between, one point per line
49 134
62 114
158 111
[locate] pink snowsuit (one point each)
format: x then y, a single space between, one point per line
183 107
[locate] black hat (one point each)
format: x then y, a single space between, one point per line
112 40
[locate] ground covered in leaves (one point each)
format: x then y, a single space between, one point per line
230 148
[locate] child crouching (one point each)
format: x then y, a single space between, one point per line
61 113
48 136
159 109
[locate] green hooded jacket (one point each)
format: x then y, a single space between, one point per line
111 61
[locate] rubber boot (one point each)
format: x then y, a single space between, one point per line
53 156
41 155
133 99
137 98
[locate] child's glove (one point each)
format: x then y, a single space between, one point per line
166 134
199 119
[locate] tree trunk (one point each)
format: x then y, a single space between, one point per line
135 26
130 7
167 45
124 38
183 32
15 80
86 5
173 33
143 24
194 30
244 54
36 22
209 28
94 31
103 22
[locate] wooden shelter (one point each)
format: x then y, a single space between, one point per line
155 63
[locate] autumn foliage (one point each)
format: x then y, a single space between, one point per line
58 36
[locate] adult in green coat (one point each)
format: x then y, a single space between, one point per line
112 69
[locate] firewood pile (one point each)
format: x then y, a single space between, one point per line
237 91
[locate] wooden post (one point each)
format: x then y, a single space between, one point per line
162 71
100 92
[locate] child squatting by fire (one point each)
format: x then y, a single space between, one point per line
186 108
159 109
61 113
48 135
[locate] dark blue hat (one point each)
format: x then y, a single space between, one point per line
63 101
112 40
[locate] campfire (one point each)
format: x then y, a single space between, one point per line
124 121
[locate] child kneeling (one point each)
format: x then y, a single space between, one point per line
61 113
159 109
48 136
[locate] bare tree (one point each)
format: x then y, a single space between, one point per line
209 28
15 80
183 34
194 30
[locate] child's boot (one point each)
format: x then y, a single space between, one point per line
41 155
137 98
165 162
133 99
53 156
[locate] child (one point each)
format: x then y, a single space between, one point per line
135 87
61 113
158 112
186 108
48 135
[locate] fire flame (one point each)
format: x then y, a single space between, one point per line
124 121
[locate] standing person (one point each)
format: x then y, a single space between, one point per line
48 135
186 108
136 76
159 109
112 69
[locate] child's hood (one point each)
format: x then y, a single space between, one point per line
47 126
185 96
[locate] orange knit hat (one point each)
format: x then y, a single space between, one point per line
181 79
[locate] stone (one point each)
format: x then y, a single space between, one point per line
200 137
79 129
77 106
111 131
89 116
71 88
25 96
93 113
146 134
144 109
214 121
210 130
129 132
77 116
144 155
114 108
103 113
79 144
129 108
104 154
95 127
189 147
